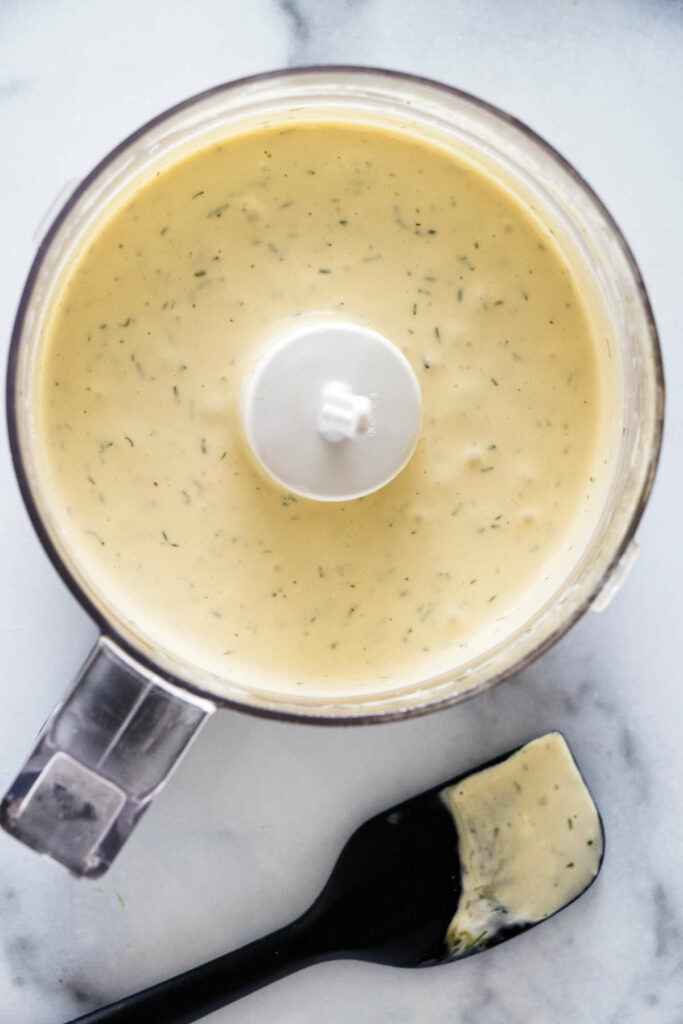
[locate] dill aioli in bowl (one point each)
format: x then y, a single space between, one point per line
489 275
146 351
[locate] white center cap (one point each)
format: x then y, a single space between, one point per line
332 410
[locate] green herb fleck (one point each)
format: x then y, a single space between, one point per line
475 942
570 864
130 442
197 194
570 823
165 536
425 362
199 273
324 270
437 334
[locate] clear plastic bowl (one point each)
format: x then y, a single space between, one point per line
541 177
599 256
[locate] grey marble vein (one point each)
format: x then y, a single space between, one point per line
300 29
13 87
315 28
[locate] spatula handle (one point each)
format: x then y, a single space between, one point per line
200 991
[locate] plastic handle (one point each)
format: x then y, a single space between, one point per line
98 763
190 996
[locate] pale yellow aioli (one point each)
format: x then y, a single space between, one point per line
529 840
161 316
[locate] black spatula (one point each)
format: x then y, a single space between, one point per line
390 900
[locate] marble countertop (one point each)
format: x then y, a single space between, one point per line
246 831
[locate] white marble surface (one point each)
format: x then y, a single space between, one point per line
245 833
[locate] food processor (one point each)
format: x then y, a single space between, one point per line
135 707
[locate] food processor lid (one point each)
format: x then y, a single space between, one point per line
332 410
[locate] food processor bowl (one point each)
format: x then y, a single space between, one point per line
135 706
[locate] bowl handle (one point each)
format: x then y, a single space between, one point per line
99 761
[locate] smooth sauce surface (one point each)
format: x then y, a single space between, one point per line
143 361
529 839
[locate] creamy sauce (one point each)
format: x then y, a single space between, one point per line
160 317
529 840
